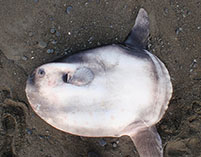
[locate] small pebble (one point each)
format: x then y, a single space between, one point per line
52 30
92 154
42 44
66 49
29 131
24 58
50 51
166 10
98 43
69 33
58 34
51 19
178 30
54 42
188 12
114 144
31 34
47 131
90 40
125 7
68 9
102 142
35 1
198 27
57 51
149 46
86 4
41 137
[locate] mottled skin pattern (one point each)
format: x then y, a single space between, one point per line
113 90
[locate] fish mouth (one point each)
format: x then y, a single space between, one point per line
31 78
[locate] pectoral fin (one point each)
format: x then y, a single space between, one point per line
82 76
148 142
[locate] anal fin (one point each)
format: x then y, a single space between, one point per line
148 142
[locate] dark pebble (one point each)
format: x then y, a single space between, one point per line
29 131
68 9
42 44
178 30
52 30
51 19
90 40
54 42
102 142
50 51
92 154
166 11
24 58
58 34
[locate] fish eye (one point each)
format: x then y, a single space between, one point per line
41 72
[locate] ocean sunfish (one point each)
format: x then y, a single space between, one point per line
109 91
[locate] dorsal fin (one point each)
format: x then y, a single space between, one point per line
140 31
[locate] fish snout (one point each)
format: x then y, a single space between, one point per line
31 78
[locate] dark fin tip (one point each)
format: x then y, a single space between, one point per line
140 31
